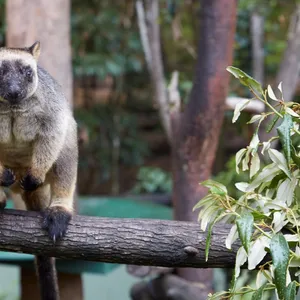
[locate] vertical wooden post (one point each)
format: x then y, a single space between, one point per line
48 22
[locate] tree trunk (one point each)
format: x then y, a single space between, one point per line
48 22
197 130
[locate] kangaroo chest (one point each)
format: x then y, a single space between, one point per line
17 133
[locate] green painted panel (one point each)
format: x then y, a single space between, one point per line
122 208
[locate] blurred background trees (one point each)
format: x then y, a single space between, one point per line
124 148
112 90
120 127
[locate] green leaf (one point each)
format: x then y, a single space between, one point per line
290 293
215 187
286 190
207 214
295 156
204 201
209 232
238 108
279 249
271 93
272 123
242 186
245 227
267 174
245 79
279 159
255 118
291 112
238 157
254 165
266 146
208 240
240 259
284 135
257 251
232 236
254 141
279 220
258 294
275 181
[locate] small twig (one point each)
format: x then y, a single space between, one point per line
150 30
143 32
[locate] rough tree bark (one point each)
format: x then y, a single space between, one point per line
197 129
48 22
146 242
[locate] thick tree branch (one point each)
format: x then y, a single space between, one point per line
143 32
157 71
125 241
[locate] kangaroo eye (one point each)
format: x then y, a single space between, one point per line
28 72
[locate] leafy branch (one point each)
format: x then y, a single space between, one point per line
266 216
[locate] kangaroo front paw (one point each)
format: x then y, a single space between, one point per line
30 183
7 178
55 221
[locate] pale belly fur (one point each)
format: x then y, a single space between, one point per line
17 134
16 155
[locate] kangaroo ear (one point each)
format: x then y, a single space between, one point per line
35 50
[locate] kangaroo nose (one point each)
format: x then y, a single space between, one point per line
14 93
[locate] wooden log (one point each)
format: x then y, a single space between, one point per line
119 240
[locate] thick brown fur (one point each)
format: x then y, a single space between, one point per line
38 148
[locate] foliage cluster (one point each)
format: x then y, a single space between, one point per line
105 41
105 38
266 216
103 130
152 180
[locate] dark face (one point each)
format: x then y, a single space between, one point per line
16 80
